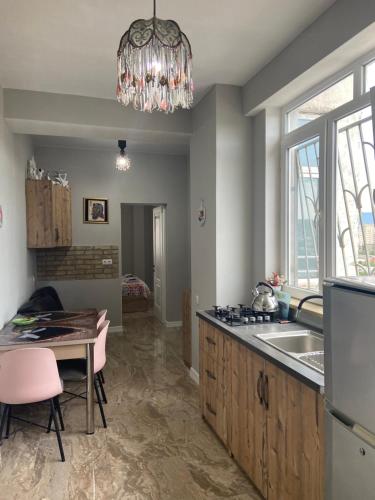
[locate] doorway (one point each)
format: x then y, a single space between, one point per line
143 263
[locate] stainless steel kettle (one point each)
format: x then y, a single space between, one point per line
264 298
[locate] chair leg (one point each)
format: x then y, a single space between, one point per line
99 401
56 424
8 421
58 408
2 424
104 396
49 423
101 375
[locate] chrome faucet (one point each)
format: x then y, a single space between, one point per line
302 301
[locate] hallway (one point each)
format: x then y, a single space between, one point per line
156 445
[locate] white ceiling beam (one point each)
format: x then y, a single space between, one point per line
43 113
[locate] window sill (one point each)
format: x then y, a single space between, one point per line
312 308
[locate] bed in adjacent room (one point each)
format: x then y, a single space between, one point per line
136 294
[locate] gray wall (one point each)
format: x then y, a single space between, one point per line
266 191
220 175
127 232
153 179
233 197
137 241
203 186
17 264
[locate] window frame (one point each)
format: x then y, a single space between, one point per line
325 127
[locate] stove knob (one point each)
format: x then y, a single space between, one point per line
260 319
267 318
252 319
245 320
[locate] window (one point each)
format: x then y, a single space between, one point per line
331 98
355 179
369 75
304 215
329 183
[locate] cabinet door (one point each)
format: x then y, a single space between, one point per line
213 378
214 404
62 230
39 208
247 417
295 420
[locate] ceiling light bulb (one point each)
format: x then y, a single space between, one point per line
123 162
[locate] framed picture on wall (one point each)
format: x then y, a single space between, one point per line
95 210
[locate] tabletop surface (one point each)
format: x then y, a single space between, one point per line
81 324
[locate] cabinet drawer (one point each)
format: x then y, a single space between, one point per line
213 394
213 342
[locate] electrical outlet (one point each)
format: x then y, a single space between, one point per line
197 300
107 262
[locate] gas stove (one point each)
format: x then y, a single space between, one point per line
241 315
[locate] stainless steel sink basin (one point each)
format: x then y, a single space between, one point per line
298 342
305 345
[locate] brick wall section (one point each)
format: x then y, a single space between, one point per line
77 263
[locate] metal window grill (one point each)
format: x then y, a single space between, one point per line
355 210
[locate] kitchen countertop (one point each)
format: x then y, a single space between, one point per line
246 335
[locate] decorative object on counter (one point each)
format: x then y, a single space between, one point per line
95 210
38 174
123 162
276 280
32 170
58 178
202 214
283 298
264 299
154 66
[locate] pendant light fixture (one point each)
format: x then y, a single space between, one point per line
123 162
154 66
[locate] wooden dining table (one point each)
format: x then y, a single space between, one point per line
77 343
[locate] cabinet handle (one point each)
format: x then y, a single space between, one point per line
265 392
208 406
56 234
210 341
260 387
210 375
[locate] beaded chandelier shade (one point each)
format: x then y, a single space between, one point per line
154 65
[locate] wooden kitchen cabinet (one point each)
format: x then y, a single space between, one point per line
213 375
295 426
49 214
248 417
271 422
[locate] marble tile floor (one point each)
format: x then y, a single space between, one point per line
156 445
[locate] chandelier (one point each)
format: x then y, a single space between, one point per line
123 162
154 66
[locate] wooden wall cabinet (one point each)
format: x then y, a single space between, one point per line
49 215
270 422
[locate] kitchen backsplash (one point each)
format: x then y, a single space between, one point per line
77 263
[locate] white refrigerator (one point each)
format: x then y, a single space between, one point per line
349 344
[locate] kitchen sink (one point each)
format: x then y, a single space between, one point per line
304 345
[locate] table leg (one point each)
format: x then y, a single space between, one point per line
90 389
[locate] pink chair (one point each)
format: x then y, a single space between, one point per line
75 370
101 317
30 376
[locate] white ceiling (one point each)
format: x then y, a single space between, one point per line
69 46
